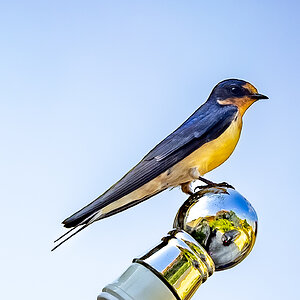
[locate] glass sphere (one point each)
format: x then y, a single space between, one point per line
222 221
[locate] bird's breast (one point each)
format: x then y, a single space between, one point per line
214 153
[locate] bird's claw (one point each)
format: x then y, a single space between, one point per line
213 184
225 184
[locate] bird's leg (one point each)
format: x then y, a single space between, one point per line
186 188
208 182
195 174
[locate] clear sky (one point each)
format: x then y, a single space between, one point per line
88 87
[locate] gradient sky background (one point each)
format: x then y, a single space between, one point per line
88 87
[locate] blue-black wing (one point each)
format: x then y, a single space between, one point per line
206 124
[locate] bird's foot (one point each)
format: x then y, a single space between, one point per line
212 184
225 184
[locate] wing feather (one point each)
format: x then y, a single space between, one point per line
206 124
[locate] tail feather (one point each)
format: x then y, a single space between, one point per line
79 217
75 219
71 235
67 235
85 213
85 218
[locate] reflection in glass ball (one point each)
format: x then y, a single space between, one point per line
222 221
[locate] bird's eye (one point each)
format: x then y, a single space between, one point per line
236 90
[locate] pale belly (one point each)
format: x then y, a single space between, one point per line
205 159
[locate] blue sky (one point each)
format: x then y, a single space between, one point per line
88 87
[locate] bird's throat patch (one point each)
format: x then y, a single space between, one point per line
242 103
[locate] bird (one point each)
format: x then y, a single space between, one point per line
200 144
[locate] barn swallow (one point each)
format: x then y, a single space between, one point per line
202 143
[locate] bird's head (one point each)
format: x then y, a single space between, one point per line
236 92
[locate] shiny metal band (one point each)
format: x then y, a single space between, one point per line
180 262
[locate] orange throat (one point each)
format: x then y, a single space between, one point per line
241 103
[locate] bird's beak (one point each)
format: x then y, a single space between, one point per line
259 96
